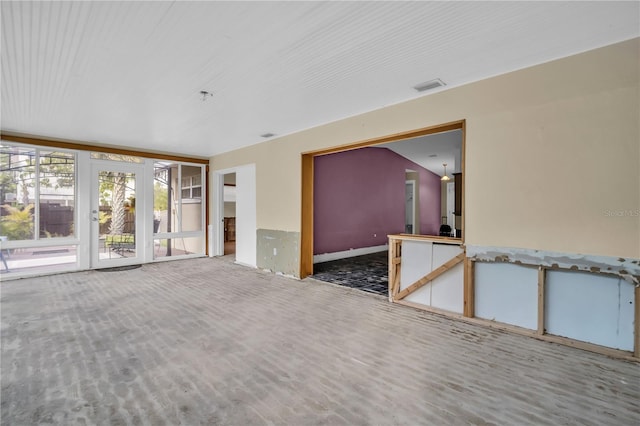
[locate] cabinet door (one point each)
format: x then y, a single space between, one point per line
231 229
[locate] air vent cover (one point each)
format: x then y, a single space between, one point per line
428 85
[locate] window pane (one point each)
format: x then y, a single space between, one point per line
164 196
17 192
117 216
192 215
191 174
177 247
116 157
177 203
38 259
192 203
57 194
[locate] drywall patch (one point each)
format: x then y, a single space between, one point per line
629 268
279 251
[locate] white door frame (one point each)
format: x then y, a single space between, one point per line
246 229
141 201
451 202
412 183
216 236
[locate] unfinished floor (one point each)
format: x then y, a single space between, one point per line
206 341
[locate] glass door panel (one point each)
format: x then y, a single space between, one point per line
115 225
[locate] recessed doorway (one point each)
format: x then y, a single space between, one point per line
229 198
244 234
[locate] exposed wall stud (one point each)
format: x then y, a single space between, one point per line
636 328
542 274
430 276
469 288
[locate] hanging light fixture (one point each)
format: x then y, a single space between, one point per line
444 177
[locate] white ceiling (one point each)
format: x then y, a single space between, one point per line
432 151
130 73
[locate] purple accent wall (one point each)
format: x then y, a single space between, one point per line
360 193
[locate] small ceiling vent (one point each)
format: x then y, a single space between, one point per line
429 85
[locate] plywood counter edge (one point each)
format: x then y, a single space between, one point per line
426 238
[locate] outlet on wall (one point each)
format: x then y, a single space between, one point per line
275 251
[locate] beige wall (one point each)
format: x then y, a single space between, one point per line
552 154
229 209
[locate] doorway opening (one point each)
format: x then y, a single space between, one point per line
115 227
410 207
229 199
241 231
396 187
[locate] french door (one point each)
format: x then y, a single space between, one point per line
116 227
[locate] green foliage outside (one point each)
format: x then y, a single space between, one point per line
18 175
103 217
119 239
7 185
17 224
113 187
160 197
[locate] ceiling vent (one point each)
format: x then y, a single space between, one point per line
429 85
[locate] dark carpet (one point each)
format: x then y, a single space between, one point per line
367 273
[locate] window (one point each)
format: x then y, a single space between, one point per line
56 194
47 193
37 206
178 209
191 186
37 193
116 157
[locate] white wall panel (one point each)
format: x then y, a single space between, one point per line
447 291
507 293
421 257
416 263
590 307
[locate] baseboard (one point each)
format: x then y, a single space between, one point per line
328 257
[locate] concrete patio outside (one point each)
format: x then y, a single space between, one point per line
205 341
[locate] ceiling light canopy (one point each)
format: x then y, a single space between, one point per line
205 95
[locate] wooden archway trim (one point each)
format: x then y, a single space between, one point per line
306 231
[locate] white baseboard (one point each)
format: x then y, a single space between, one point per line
328 257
